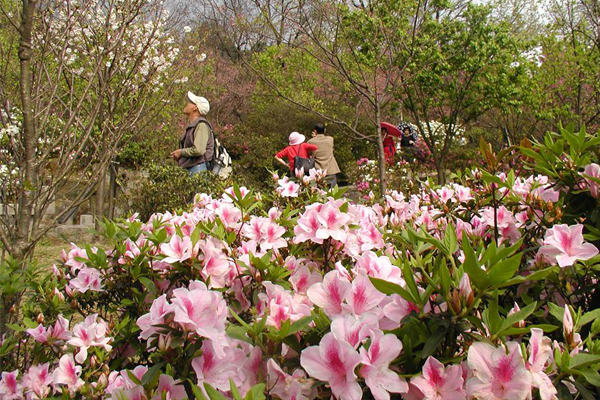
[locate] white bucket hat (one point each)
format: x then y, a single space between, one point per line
296 138
200 102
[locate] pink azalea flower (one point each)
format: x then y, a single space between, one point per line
506 222
60 330
445 194
565 245
38 334
307 226
353 330
496 374
229 194
439 383
10 388
68 373
378 376
302 279
172 389
540 353
177 250
330 294
333 222
158 310
378 267
288 189
89 333
87 279
399 308
272 237
217 370
282 305
285 386
216 265
229 215
334 361
592 170
362 297
370 237
202 311
74 253
463 193
37 381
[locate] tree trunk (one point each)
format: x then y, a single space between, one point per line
112 190
22 246
381 156
100 199
439 166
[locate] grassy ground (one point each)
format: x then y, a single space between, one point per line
48 250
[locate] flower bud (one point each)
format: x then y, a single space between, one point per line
40 318
164 342
516 309
455 301
58 294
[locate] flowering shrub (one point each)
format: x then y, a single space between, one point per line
402 176
483 288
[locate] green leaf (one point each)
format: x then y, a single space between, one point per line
257 392
433 342
445 279
471 266
588 317
213 393
386 287
556 311
504 270
149 285
592 376
238 332
16 327
151 376
585 393
234 390
300 324
520 315
580 360
536 276
198 392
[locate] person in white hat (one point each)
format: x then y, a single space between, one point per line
196 145
296 147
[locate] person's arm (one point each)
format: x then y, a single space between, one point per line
201 136
280 161
279 157
311 147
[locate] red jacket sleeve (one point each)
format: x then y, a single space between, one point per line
282 153
310 147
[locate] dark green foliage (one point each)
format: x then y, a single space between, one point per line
170 188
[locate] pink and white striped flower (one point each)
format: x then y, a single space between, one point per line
439 383
498 374
378 376
68 374
333 361
90 333
565 245
10 388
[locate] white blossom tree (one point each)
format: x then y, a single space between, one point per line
88 72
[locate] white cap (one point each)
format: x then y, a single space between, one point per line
200 102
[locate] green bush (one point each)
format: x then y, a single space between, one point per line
170 188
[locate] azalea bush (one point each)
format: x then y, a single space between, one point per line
481 289
402 176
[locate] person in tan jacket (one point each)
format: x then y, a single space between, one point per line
324 158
